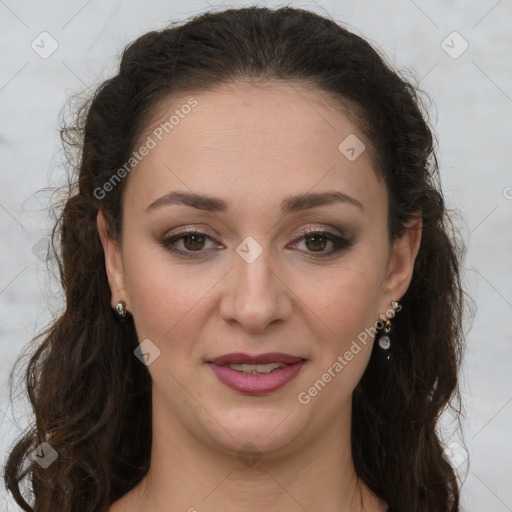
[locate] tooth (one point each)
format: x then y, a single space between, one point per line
256 368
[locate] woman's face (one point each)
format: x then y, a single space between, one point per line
268 165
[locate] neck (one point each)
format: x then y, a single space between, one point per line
190 475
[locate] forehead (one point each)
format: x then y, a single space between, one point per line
272 138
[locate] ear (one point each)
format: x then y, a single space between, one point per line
113 263
401 261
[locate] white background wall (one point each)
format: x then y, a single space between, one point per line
472 97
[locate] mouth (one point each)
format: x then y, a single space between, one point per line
256 375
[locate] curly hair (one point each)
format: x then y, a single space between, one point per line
91 398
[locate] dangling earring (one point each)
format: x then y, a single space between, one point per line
121 308
385 341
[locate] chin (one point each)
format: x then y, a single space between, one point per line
258 429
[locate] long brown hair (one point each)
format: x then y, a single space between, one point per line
92 398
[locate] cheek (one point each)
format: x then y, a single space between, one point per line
345 300
163 295
345 303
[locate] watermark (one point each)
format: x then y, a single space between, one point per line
455 455
44 45
454 45
147 352
507 192
44 455
304 397
249 249
249 455
43 249
150 143
351 147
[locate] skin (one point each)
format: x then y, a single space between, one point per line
253 146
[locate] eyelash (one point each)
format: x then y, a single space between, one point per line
339 243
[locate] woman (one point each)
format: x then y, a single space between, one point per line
263 302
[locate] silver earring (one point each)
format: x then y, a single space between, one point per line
385 341
121 308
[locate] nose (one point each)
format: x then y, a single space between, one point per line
256 294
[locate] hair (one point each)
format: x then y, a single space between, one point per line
92 398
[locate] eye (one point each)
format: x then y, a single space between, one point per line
193 242
316 241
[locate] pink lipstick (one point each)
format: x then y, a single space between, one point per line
256 375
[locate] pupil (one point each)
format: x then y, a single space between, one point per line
194 247
316 237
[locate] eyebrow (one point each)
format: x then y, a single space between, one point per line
289 204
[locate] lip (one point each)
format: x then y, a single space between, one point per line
256 384
270 357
